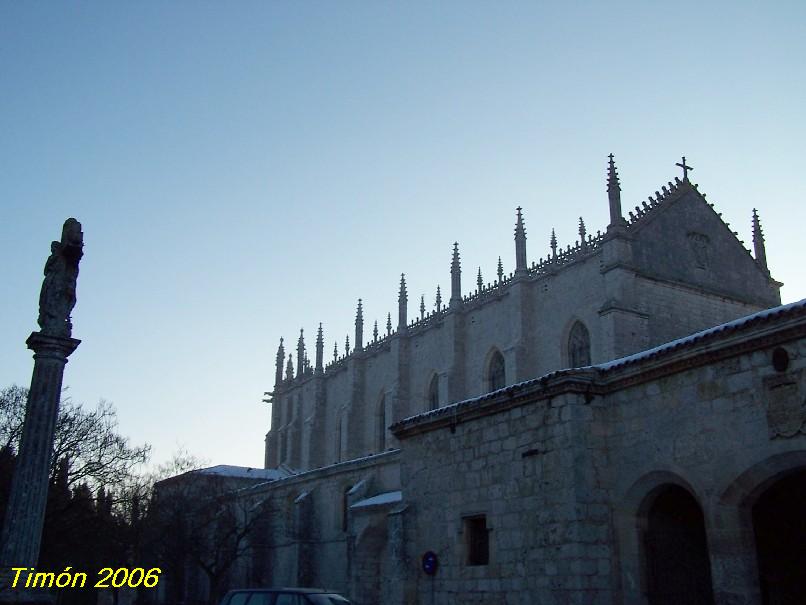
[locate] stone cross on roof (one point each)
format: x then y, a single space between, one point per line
685 168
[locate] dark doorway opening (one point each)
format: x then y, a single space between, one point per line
779 523
678 567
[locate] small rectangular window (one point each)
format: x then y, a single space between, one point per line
477 544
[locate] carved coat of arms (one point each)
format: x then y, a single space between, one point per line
786 407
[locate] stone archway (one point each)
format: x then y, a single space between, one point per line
734 551
779 527
678 568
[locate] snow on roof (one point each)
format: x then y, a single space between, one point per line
329 467
243 472
380 500
354 489
730 326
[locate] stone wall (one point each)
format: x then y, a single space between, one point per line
712 430
529 472
563 469
313 539
676 310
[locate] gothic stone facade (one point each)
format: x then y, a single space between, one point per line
674 268
644 472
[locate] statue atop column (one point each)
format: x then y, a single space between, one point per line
52 345
58 295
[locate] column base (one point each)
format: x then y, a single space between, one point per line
22 595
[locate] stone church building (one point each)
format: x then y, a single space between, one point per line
623 422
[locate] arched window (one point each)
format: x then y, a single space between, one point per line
496 372
382 424
289 407
433 393
579 346
341 438
295 438
338 440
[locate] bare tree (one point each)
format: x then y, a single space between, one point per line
89 520
202 520
87 446
12 415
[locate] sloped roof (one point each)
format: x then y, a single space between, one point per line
243 472
380 500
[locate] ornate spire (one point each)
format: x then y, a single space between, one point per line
422 306
456 277
479 281
278 374
389 324
520 244
335 352
375 332
500 270
614 194
402 304
289 368
553 243
439 300
758 241
347 345
300 354
359 327
320 351
582 233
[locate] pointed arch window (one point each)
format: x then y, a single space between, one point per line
496 372
281 446
341 440
289 409
579 346
433 393
382 424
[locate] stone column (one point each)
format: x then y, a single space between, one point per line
22 530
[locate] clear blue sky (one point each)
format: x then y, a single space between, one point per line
245 169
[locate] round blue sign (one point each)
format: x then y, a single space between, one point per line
430 563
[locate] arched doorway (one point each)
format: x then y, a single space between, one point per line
779 525
678 569
368 568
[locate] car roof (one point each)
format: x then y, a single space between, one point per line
286 589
